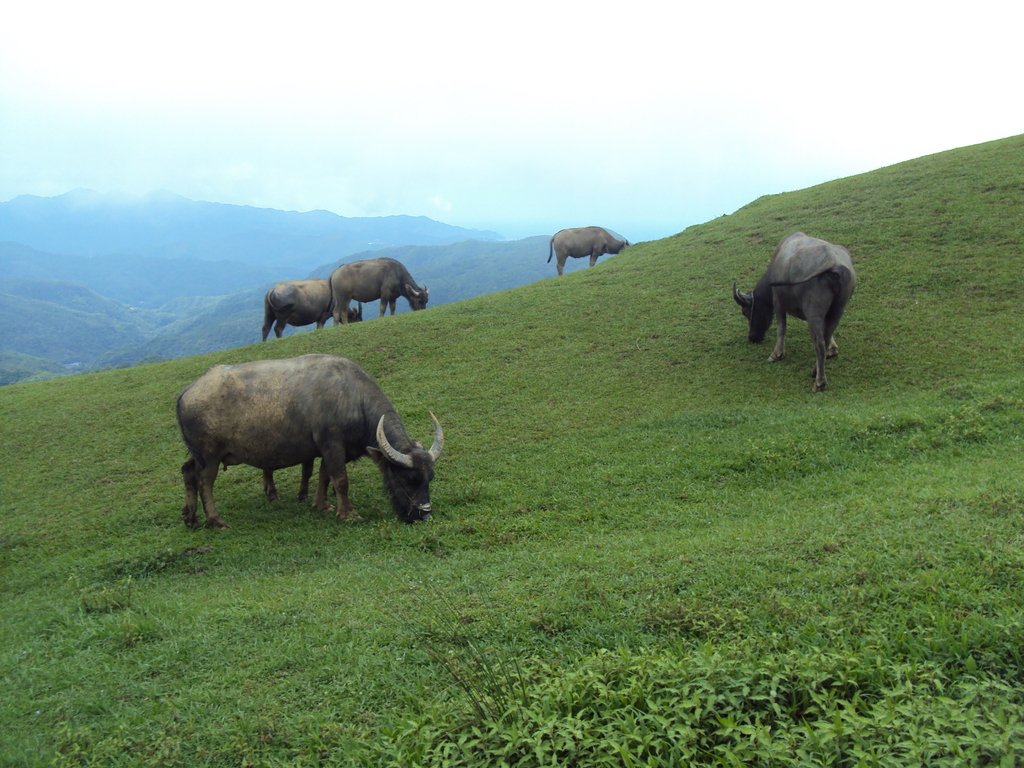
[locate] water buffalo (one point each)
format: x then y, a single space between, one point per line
271 414
385 279
299 302
810 279
580 242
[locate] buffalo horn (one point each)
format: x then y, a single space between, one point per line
741 298
394 455
436 448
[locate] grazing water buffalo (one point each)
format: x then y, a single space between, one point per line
808 278
300 302
580 242
370 279
271 414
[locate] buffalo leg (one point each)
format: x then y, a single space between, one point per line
307 472
269 489
340 313
207 475
266 327
780 339
593 259
334 466
820 347
188 512
320 502
279 328
831 323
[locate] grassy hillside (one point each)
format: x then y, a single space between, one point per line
650 546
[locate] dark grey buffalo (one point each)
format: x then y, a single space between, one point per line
299 302
385 279
272 414
580 242
810 279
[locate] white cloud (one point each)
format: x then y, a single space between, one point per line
644 116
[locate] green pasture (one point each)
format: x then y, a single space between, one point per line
650 546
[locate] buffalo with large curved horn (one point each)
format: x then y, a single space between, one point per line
406 459
272 414
807 278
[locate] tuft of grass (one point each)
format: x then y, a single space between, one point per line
707 706
491 679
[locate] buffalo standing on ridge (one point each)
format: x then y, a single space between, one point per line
370 279
582 241
300 302
810 279
272 414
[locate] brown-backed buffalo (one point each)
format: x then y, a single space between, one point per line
299 302
810 279
580 242
272 414
385 279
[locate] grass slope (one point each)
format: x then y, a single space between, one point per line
652 547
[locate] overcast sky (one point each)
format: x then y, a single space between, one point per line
526 117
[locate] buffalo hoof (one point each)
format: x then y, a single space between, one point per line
216 522
774 358
351 517
189 518
302 496
819 386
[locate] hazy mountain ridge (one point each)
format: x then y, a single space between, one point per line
138 281
85 223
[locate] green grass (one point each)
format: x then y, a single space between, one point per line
651 546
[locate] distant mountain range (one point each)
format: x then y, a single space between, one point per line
88 281
227 247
